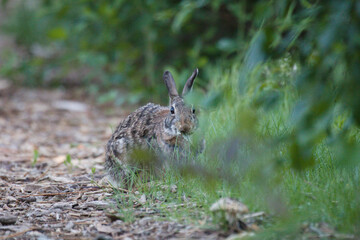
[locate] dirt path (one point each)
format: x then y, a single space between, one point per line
51 161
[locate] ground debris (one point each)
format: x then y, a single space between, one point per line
64 205
37 191
70 105
8 219
52 176
323 230
240 235
230 212
27 199
95 204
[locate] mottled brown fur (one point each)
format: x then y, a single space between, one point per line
150 127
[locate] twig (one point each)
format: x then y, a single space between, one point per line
137 205
42 175
61 183
18 233
73 238
112 188
95 192
253 215
55 194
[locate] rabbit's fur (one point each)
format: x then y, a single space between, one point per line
151 127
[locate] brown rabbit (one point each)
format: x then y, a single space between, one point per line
151 126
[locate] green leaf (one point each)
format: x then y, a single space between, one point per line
256 53
182 16
58 33
267 99
227 44
35 157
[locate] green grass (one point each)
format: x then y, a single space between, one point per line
258 172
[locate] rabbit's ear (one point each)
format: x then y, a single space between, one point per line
170 84
189 83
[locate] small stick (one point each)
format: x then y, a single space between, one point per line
42 175
54 194
120 189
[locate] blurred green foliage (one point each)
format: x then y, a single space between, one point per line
323 38
128 44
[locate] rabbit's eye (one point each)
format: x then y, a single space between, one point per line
172 110
193 110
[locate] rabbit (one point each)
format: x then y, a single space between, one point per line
151 127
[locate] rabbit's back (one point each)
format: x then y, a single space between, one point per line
137 130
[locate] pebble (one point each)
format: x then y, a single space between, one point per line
8 219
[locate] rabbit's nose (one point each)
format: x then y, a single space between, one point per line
185 129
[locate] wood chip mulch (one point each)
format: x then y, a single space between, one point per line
51 161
